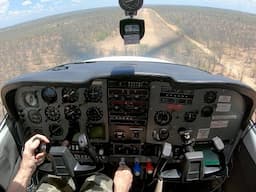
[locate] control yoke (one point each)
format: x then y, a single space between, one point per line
61 162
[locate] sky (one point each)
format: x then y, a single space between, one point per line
13 12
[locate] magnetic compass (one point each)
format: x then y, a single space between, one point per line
131 5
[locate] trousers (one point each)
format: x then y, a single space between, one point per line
98 182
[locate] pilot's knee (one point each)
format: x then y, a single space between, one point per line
46 187
55 184
98 182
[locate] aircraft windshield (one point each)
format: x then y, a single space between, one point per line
198 33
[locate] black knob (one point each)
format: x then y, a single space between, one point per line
207 111
210 97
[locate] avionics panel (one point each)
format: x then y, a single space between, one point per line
128 102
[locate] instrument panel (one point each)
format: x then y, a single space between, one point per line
134 111
142 111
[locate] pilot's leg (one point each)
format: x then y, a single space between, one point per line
47 188
98 182
55 184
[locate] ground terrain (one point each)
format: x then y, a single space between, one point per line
219 41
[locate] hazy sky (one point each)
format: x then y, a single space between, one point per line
16 11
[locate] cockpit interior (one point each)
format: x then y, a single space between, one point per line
178 128
165 121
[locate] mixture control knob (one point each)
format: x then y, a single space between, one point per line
149 167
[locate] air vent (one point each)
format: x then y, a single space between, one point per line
59 68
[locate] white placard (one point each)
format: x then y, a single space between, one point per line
219 124
224 117
223 107
203 133
224 99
